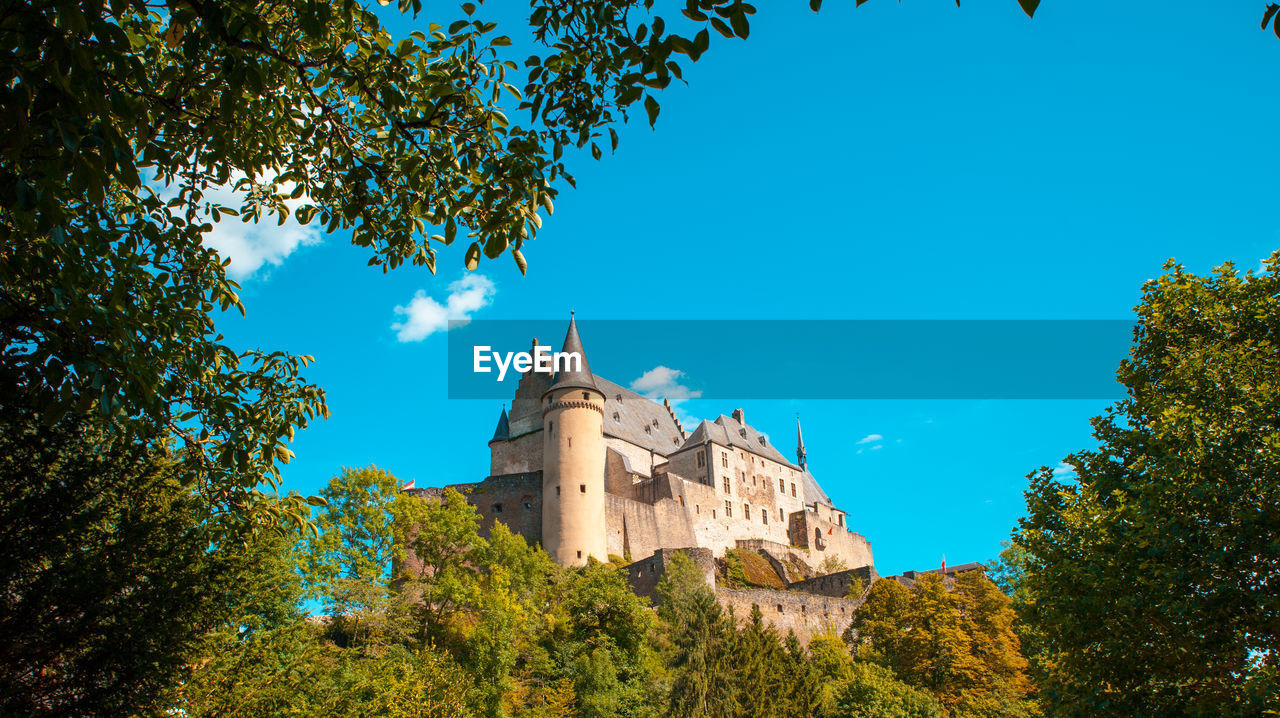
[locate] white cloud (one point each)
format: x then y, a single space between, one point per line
1063 471
251 245
877 446
663 382
425 316
870 438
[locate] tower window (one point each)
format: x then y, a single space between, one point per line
579 554
551 427
557 491
497 508
586 396
582 488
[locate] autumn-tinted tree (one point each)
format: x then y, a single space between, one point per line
1152 573
958 644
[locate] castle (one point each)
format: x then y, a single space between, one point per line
590 469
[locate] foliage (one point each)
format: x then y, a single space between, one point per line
1150 573
832 564
872 691
735 572
957 644
110 569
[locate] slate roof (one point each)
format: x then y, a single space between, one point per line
635 412
726 430
581 376
503 430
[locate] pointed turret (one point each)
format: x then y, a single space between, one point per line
575 374
503 432
802 459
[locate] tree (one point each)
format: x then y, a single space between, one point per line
1151 572
958 644
349 562
111 571
872 691
699 639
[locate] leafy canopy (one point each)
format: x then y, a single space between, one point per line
1150 577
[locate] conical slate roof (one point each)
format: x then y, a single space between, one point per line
578 374
503 432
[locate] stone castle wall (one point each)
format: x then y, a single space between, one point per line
807 615
515 500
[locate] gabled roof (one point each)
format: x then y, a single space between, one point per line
727 431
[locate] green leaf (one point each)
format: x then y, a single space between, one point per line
469 8
521 264
1029 6
472 258
815 5
738 20
651 107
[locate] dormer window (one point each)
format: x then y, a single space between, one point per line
742 433
648 429
762 441
619 397
655 423
616 417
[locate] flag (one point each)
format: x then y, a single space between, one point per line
829 531
944 561
408 486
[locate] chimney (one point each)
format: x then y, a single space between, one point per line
739 417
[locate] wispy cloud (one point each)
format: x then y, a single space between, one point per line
1063 471
870 439
424 316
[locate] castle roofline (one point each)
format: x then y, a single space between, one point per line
575 377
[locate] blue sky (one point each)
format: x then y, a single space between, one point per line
893 161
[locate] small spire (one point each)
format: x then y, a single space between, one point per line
503 432
578 374
801 457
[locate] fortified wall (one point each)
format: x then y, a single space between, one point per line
808 608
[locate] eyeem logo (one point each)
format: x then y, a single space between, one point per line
542 361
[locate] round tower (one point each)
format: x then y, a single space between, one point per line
573 525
